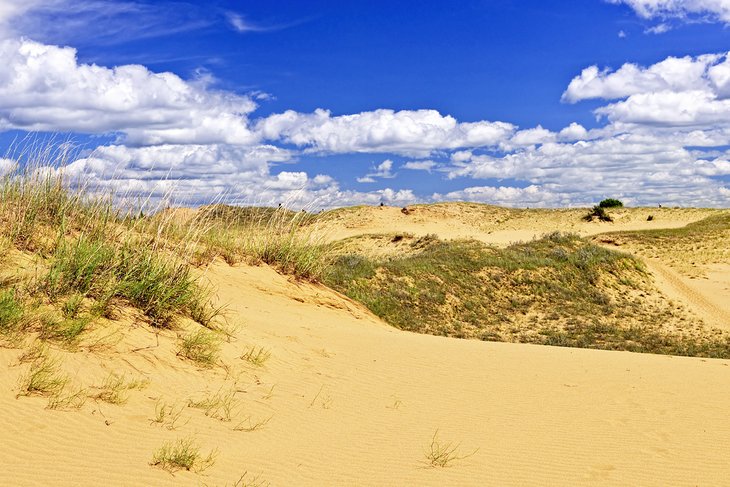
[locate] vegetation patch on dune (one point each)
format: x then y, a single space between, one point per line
557 290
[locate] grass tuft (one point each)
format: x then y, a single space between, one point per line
183 454
202 347
43 378
257 356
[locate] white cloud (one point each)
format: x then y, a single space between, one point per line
44 88
621 34
658 29
645 167
716 10
573 132
534 136
509 196
420 165
408 132
381 171
673 74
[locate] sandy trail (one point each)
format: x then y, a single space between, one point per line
708 298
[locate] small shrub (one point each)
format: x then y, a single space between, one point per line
610 203
11 311
42 379
201 346
184 454
600 213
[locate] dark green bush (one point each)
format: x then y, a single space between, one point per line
610 203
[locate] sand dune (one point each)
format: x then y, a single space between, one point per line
352 401
497 225
356 403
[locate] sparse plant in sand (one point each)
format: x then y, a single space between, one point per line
167 415
248 425
253 481
36 351
183 454
220 405
439 454
201 346
114 389
43 378
256 355
73 400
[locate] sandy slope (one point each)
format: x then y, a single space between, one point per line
355 402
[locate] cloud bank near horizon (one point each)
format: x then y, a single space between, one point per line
664 138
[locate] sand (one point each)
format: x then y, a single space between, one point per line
352 401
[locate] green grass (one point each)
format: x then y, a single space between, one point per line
11 311
557 290
183 454
43 378
201 346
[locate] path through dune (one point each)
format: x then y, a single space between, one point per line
708 298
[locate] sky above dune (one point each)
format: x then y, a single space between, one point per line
321 104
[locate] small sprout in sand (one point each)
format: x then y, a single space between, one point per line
218 406
201 347
113 389
440 455
184 454
249 425
256 355
246 481
167 415
43 378
397 403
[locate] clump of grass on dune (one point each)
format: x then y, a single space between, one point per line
94 254
184 454
557 290
291 242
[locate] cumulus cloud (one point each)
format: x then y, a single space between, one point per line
408 132
192 175
675 92
644 167
382 170
671 74
420 165
510 196
715 10
45 88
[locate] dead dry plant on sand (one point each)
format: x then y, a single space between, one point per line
439 454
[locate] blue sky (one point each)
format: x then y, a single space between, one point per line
329 103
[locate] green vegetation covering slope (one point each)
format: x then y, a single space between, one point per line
558 290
